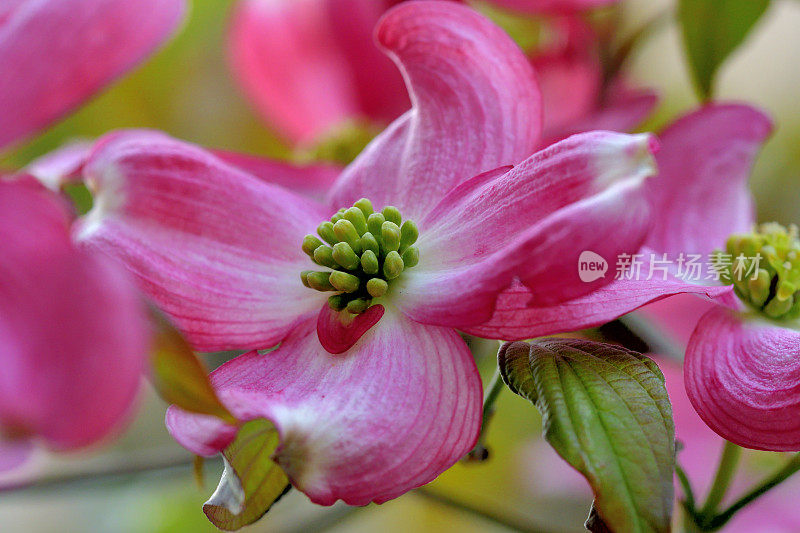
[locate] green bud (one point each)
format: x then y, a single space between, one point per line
785 290
411 257
323 256
374 224
759 287
337 302
357 306
742 288
369 242
409 233
344 282
734 244
325 231
320 281
357 218
390 236
311 243
345 256
392 214
338 216
377 287
774 248
794 312
366 250
369 262
392 265
365 206
346 232
777 308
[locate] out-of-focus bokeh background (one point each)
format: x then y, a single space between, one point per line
145 482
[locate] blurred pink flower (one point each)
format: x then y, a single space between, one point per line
72 328
571 80
311 66
219 249
55 54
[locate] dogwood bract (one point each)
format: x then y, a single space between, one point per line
72 327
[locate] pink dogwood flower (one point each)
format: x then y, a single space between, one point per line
55 54
72 329
282 51
742 370
371 389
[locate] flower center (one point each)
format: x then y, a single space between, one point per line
764 268
366 251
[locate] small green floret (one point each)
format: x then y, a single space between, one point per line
764 268
365 250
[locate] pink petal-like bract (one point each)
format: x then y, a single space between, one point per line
55 54
743 378
72 327
701 193
515 319
389 415
310 180
60 166
532 222
216 248
699 197
311 65
339 331
476 107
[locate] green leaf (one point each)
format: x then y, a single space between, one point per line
606 411
251 481
712 30
179 377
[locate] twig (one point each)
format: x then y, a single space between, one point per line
511 523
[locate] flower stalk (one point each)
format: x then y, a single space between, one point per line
708 519
722 479
480 452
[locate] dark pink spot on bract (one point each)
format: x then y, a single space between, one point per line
339 331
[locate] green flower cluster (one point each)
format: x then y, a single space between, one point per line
365 251
765 269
